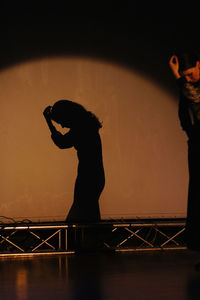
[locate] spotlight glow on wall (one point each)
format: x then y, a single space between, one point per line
143 146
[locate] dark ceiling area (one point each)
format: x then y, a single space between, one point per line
140 39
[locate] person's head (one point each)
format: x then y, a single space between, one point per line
189 66
71 114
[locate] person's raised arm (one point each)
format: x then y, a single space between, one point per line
47 115
174 66
60 140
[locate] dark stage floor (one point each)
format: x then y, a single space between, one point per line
136 276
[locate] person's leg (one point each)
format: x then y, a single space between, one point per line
193 210
85 210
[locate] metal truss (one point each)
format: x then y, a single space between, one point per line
119 236
33 239
154 235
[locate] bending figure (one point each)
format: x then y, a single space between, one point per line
84 137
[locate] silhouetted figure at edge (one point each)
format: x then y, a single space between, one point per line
84 137
185 67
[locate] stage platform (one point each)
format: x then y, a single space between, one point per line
115 235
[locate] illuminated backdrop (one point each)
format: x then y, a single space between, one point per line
143 146
114 61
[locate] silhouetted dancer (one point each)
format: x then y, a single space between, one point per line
84 137
185 67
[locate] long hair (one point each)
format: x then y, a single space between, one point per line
66 110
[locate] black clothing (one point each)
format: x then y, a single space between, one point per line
90 179
193 210
189 115
189 106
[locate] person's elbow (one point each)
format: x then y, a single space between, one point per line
60 145
61 142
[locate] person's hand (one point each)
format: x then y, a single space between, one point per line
174 66
47 112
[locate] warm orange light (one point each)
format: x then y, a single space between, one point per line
21 284
144 149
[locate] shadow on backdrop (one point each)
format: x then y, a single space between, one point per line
84 137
